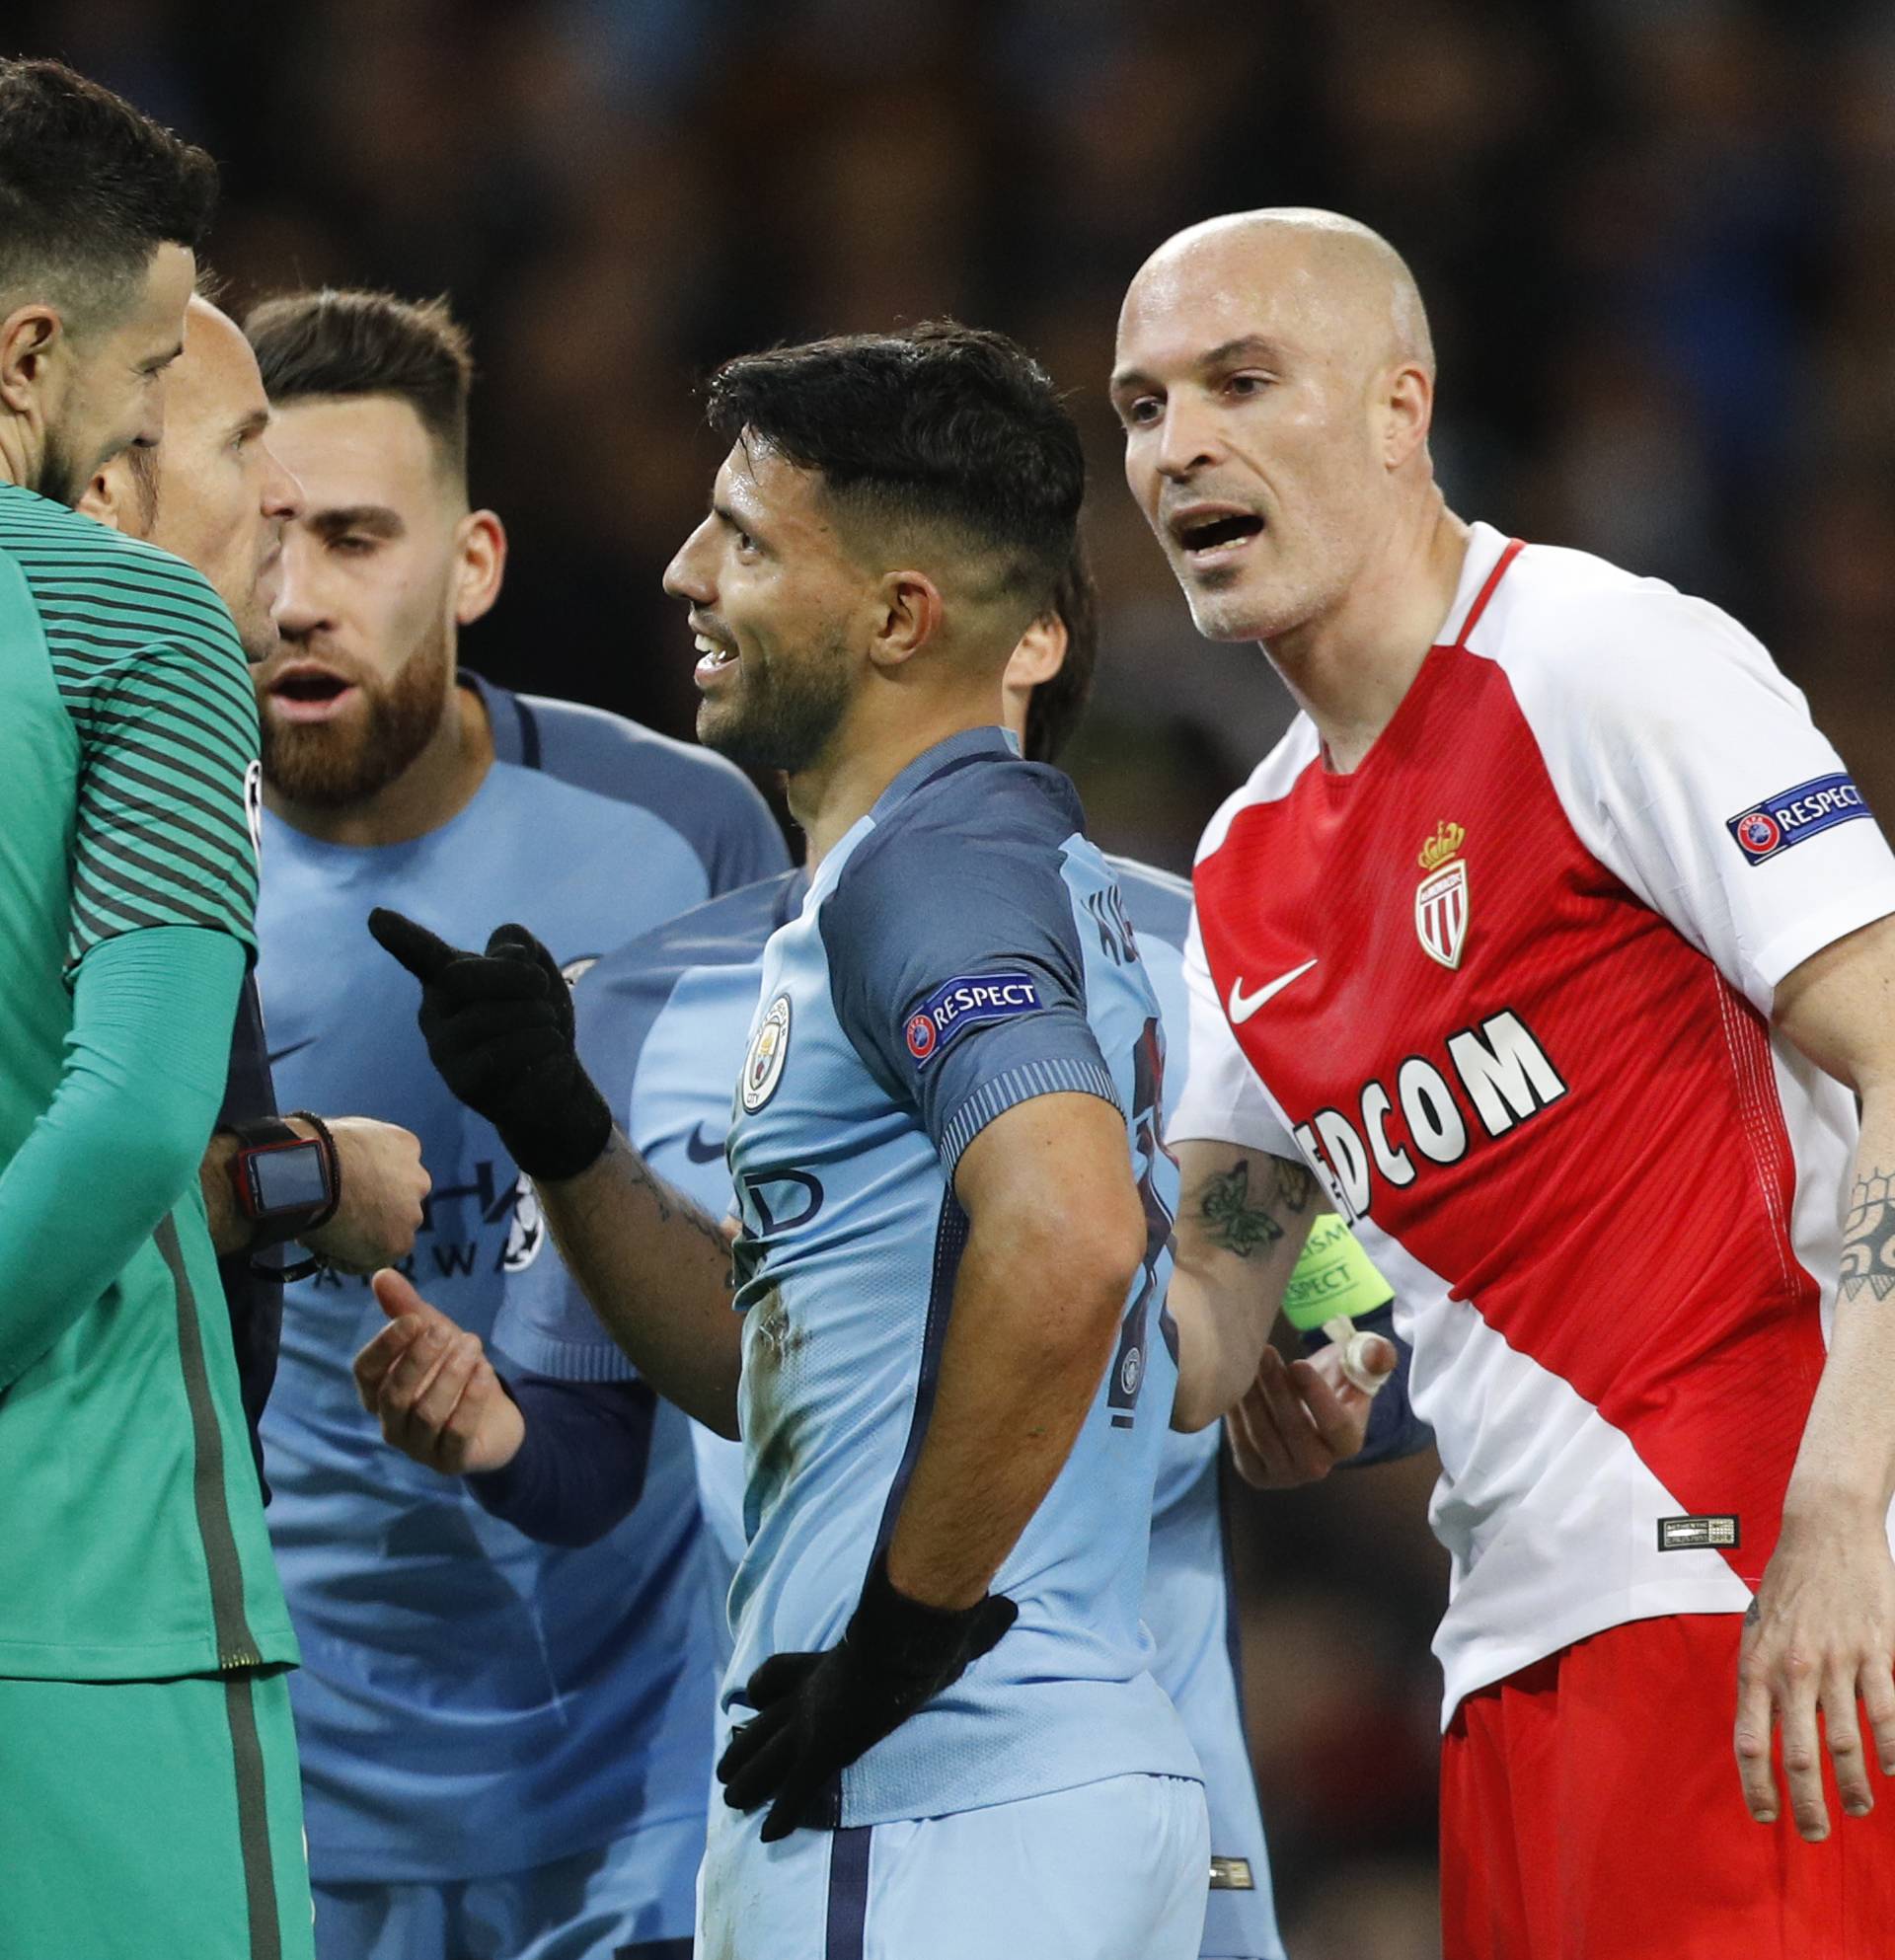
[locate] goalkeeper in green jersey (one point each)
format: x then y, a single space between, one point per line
148 1789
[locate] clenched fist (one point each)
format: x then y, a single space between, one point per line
383 1186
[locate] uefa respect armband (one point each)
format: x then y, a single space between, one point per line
1335 1278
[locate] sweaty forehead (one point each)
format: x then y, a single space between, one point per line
1302 293
760 485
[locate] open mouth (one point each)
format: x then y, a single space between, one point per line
309 694
714 656
1216 535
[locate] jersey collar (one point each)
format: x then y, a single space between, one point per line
1485 547
954 753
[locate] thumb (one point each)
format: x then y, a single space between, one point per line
394 1295
1367 1359
997 1614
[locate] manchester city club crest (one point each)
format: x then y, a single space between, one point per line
769 1049
1441 898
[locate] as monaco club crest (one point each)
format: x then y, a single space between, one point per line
1441 898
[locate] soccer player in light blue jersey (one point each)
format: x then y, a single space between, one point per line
941 1734
502 1740
662 1025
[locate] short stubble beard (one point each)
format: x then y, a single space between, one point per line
60 476
784 717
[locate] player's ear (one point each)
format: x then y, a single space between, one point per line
29 338
104 498
1408 407
1041 654
480 550
908 614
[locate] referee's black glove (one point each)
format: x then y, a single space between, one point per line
498 1027
818 1713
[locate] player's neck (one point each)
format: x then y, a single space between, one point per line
1350 668
18 464
838 791
431 791
18 451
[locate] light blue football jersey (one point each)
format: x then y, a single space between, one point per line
662 1022
1191 1605
662 1026
472 1703
961 950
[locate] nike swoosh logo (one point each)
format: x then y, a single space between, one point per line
700 1149
1244 1005
294 1048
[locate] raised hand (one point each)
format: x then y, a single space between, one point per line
498 1027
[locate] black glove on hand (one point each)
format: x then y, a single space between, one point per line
818 1713
498 1027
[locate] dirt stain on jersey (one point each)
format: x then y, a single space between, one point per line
775 1344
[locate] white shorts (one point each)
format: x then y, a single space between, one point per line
1114 1870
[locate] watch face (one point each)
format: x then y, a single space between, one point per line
288 1178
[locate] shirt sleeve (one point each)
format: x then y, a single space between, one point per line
581 1469
169 785
956 973
1220 1100
1691 769
118 1147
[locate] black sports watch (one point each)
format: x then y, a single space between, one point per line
285 1184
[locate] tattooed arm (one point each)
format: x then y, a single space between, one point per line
656 1270
1241 1218
1821 1631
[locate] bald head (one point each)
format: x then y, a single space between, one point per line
1335 272
209 490
1275 379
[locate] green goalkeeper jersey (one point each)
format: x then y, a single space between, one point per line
133 1545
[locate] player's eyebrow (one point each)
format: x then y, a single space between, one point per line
733 520
251 424
375 518
159 362
1245 346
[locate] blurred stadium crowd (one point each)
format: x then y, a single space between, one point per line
1657 239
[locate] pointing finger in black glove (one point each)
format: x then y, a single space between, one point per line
816 1713
498 1027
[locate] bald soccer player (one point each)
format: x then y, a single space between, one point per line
1598 1133
212 493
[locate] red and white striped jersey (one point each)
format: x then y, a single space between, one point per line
1506 987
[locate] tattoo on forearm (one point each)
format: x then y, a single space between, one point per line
1236 1219
671 1203
1294 1186
1868 1239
